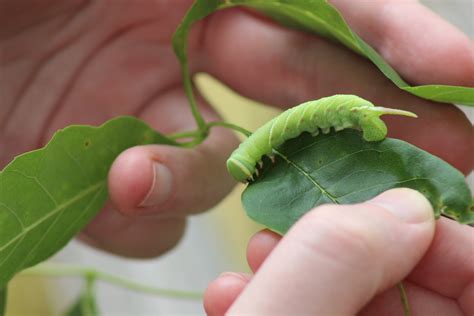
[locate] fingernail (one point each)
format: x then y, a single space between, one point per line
160 188
406 204
233 275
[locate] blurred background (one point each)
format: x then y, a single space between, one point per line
214 242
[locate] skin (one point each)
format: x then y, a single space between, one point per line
353 258
84 62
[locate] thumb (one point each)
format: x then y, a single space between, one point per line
338 257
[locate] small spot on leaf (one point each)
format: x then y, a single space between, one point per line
147 138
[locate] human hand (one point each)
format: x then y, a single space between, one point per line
84 62
347 260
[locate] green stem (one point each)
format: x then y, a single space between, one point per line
188 134
188 88
229 126
60 270
88 304
404 298
198 134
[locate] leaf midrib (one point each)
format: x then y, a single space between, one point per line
307 176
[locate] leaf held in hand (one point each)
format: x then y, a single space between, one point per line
342 168
47 196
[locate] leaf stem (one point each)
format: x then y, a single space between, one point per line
180 135
61 270
404 298
229 126
188 88
196 134
88 304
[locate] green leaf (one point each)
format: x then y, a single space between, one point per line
318 16
342 168
199 10
48 195
3 301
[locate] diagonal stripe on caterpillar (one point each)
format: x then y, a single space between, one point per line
338 112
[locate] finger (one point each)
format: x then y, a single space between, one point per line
438 299
167 181
340 254
160 180
155 185
284 67
133 236
260 246
447 267
393 28
223 291
421 301
446 271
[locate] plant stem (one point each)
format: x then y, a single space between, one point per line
404 298
188 88
61 270
198 133
89 303
188 134
229 126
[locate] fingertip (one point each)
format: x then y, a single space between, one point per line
260 246
406 204
222 292
130 178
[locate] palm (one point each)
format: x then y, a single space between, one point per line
107 58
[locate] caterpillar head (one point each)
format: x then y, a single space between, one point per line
240 169
373 128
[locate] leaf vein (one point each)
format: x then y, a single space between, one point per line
81 168
14 214
56 210
308 176
37 181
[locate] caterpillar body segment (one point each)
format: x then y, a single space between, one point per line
337 112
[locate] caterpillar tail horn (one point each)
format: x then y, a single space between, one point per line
383 111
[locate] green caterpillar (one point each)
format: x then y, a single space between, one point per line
338 112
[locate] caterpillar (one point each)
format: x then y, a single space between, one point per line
338 112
